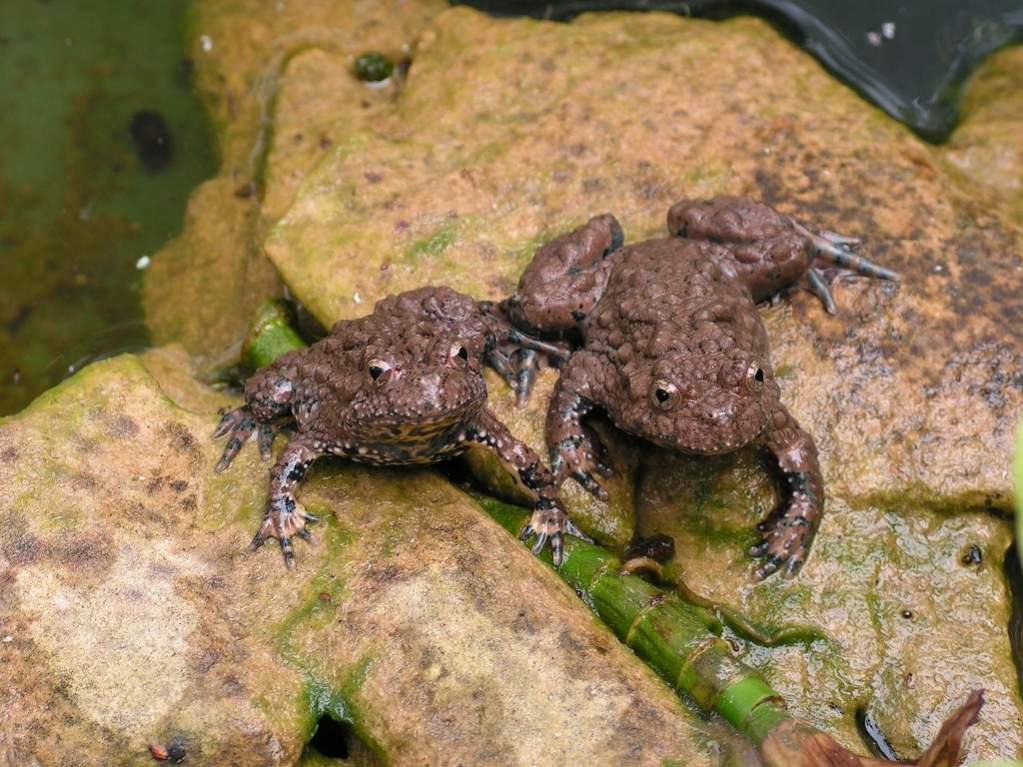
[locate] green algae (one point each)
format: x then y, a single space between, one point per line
434 244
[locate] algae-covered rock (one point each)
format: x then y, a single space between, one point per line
205 286
131 613
899 611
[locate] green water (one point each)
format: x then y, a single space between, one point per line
78 209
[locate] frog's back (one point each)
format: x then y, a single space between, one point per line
672 294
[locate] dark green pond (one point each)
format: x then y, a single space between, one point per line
84 198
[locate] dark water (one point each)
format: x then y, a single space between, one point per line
102 141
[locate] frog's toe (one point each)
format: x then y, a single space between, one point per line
550 524
285 518
819 287
266 440
580 458
229 419
527 365
590 484
240 424
785 541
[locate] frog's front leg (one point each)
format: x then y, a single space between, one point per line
268 396
788 533
550 522
285 517
575 450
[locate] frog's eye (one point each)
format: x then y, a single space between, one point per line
755 376
380 371
458 353
663 394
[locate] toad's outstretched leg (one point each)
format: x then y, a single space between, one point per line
550 522
788 533
767 250
285 518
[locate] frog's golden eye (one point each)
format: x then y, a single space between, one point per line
755 376
380 371
663 394
458 354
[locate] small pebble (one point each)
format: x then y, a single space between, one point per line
973 555
907 614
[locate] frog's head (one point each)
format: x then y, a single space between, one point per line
705 403
418 387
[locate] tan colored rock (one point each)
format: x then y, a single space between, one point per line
987 146
204 287
131 613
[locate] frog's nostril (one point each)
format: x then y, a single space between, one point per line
721 414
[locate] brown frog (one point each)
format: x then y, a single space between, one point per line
673 349
401 386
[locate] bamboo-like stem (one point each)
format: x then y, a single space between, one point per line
271 336
678 639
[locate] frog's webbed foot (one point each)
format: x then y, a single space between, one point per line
285 518
240 423
550 524
786 537
580 457
836 250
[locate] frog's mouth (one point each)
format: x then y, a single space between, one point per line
706 435
428 407
719 447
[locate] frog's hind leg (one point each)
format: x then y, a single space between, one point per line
767 250
285 517
837 250
517 356
565 279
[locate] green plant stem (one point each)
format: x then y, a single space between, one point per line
677 639
271 336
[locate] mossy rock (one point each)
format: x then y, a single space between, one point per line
132 614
